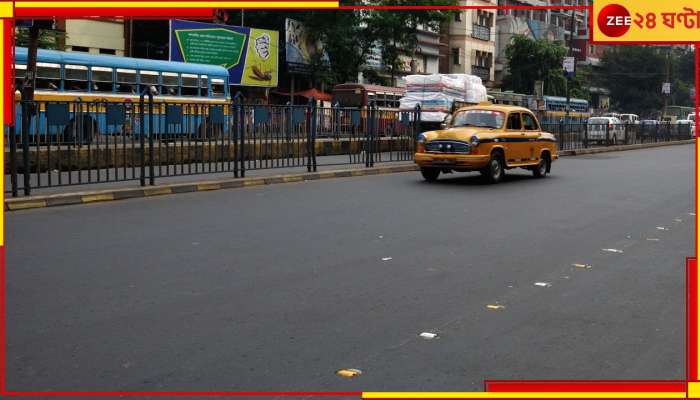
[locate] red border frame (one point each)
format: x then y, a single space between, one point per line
489 385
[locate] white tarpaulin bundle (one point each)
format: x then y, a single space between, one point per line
436 93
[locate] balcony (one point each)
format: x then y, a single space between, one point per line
481 32
482 72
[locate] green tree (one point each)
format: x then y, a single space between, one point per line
634 76
348 35
531 60
48 39
396 31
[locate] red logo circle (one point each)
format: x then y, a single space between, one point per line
614 20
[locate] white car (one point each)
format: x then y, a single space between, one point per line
605 130
629 119
687 124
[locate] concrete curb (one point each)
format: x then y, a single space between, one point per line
64 199
581 152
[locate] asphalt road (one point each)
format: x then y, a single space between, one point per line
277 287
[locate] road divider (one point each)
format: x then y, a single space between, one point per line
64 199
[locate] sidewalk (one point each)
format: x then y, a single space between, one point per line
324 163
81 194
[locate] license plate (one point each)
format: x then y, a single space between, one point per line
443 162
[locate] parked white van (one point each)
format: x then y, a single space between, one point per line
629 119
605 130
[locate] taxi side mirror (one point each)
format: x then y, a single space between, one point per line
447 122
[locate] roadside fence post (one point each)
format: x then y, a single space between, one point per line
561 133
607 134
585 138
314 130
13 159
307 130
26 119
368 130
142 141
372 131
151 150
416 127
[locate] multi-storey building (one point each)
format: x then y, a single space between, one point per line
468 41
94 36
568 26
424 59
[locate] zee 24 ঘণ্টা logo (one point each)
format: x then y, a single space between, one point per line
662 21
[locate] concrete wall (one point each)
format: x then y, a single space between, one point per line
95 35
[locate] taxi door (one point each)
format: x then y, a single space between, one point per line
514 138
531 134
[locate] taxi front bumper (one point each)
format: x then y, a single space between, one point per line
451 161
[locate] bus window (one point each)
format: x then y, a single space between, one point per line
75 78
102 79
170 83
190 85
126 81
20 72
48 76
150 78
204 86
217 87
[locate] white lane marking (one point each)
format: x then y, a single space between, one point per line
613 250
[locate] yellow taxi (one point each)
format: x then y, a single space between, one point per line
487 138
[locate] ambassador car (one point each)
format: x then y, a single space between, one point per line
489 139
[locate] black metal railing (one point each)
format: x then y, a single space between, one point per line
482 72
572 136
481 32
76 143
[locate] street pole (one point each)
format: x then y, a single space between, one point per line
242 15
30 77
568 77
668 79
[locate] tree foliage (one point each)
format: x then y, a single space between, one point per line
395 32
531 60
48 39
349 35
634 76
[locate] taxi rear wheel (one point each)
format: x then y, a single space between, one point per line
430 174
495 170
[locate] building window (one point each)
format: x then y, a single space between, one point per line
80 48
108 51
456 59
458 17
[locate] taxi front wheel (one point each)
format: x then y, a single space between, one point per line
495 170
430 174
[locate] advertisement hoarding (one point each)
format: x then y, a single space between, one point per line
251 55
300 49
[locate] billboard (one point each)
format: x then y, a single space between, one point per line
300 50
251 55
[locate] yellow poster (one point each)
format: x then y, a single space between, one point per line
261 59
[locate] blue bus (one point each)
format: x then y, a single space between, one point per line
555 110
100 82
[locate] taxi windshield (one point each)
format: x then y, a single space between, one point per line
479 118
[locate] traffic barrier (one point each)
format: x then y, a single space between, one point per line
77 143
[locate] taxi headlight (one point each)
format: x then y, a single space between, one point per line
421 139
474 141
